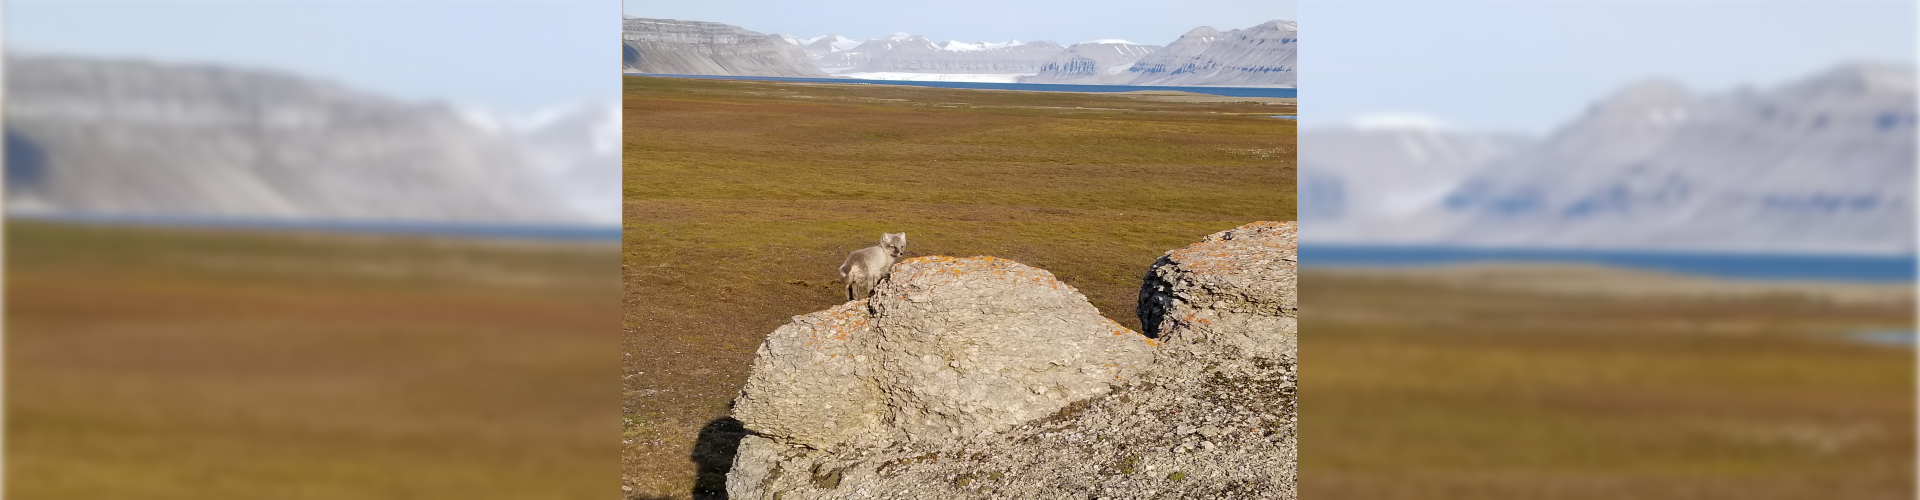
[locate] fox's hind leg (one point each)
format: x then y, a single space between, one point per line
861 290
858 286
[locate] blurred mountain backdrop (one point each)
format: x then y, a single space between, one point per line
135 138
1823 165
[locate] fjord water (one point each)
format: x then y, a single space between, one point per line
439 229
1745 266
1041 87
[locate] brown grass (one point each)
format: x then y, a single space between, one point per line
1419 385
149 363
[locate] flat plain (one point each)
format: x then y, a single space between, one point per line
1577 382
154 363
742 198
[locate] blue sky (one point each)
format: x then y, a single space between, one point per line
516 56
1066 21
1501 65
1526 66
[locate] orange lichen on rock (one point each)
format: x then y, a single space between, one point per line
919 269
1235 288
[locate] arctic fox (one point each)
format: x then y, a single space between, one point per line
865 267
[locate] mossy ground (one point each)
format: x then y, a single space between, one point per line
742 198
172 363
1421 388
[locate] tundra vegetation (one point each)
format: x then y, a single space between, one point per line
1581 383
177 363
742 198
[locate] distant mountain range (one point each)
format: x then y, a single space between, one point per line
902 52
112 137
1824 165
1099 62
1262 56
667 46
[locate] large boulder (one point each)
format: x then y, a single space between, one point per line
1221 429
984 378
812 382
945 348
1235 290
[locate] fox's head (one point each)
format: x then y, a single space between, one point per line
896 243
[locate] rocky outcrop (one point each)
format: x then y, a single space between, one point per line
946 348
1263 55
131 138
1235 290
667 46
984 378
1099 62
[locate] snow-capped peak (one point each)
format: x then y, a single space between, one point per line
835 42
959 46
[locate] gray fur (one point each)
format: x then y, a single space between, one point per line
865 267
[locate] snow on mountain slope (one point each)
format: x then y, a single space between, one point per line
1099 62
906 53
1380 180
1263 55
959 46
936 77
575 152
820 46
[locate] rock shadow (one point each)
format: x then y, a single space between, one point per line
1156 298
26 162
713 455
629 56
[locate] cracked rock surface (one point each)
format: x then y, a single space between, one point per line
1235 289
985 378
946 348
